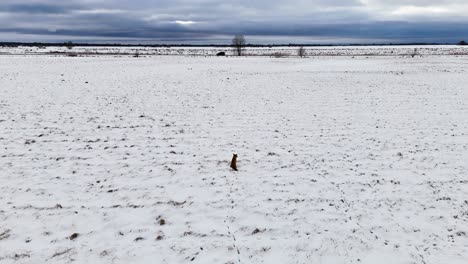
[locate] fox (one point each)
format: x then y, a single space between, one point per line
234 162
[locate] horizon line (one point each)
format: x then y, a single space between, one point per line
116 44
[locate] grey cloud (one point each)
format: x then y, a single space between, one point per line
155 20
35 8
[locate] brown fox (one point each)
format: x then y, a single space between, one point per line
234 162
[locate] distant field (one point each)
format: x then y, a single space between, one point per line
341 160
274 51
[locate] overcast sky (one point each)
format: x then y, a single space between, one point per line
215 21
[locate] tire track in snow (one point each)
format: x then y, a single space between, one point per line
229 217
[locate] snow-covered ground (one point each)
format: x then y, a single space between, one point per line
261 51
341 160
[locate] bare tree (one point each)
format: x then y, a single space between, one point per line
238 43
301 52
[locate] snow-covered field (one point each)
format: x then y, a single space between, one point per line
250 51
341 160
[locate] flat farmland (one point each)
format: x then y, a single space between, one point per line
126 160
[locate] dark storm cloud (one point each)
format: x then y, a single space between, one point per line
35 8
185 20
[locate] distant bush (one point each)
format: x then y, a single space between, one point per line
279 55
69 45
462 43
301 52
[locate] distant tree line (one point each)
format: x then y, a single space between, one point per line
48 44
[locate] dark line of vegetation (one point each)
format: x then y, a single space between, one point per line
48 44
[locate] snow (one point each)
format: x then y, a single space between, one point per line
395 50
341 159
